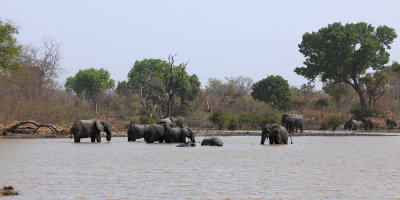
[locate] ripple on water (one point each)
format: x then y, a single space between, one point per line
312 168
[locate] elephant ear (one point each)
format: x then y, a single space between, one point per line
99 126
187 131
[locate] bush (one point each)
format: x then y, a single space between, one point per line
146 120
219 117
359 112
233 123
333 122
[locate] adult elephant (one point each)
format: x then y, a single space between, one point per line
391 123
175 121
351 125
179 135
276 134
213 141
90 128
137 131
292 122
368 123
157 132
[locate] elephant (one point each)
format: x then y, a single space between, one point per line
213 141
351 125
276 134
292 122
157 132
391 123
187 144
175 121
90 128
137 131
179 135
368 123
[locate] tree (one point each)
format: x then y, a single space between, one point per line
342 54
219 117
340 93
90 83
9 49
306 90
376 85
158 82
273 90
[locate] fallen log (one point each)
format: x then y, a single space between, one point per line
14 128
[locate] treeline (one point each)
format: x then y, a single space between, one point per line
354 70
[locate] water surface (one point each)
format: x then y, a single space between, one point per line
311 168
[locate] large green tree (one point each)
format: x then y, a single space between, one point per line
9 49
343 54
90 83
158 82
273 90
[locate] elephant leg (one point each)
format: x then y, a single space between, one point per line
271 142
93 138
77 139
98 137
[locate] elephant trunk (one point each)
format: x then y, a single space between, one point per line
192 138
108 136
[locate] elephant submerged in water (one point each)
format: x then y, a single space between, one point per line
137 131
276 134
157 132
90 128
179 135
213 141
187 144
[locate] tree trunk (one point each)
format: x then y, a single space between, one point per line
360 93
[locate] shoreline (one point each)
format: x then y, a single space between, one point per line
220 133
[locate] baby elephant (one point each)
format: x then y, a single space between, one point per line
213 141
187 144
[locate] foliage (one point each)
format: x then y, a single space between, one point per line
90 83
376 85
158 82
274 90
306 90
360 112
333 122
340 93
342 54
146 120
220 118
9 49
233 123
322 103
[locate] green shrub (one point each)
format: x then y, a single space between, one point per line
146 120
359 112
233 123
219 117
333 122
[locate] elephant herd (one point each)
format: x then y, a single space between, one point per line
368 124
172 130
168 130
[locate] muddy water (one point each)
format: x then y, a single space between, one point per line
312 168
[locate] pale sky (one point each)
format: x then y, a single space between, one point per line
218 38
